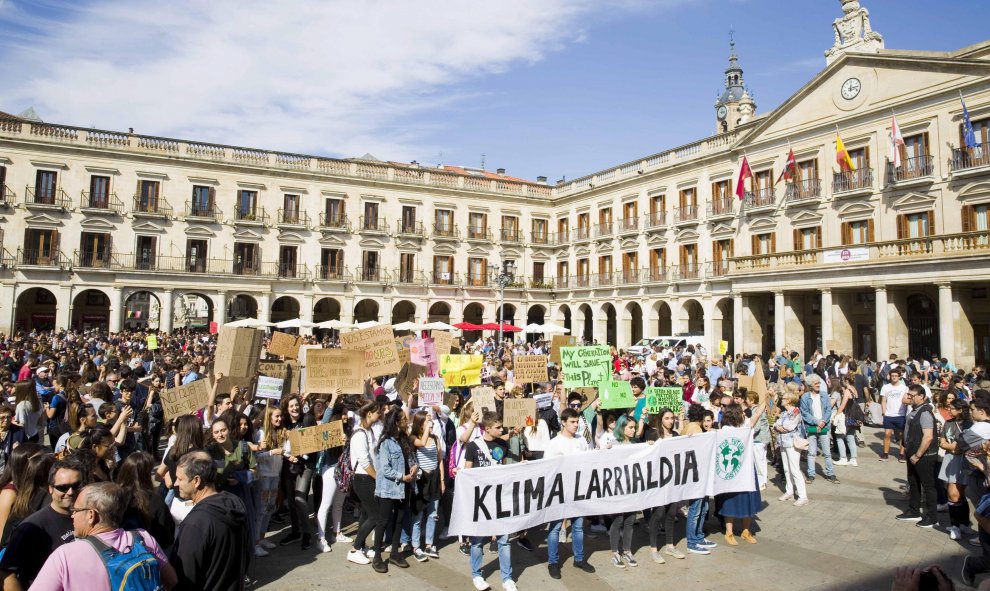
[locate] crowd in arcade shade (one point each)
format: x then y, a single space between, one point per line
95 479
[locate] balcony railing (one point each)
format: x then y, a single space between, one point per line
408 277
721 206
762 197
410 228
255 216
581 281
445 231
542 239
331 273
97 202
687 213
286 270
510 235
443 278
40 258
563 237
582 233
476 280
292 217
6 196
541 283
852 180
93 259
47 198
475 233
604 230
803 189
975 157
154 207
334 221
198 211
629 276
562 282
911 168
691 272
629 225
657 275
603 279
656 219
377 225
370 274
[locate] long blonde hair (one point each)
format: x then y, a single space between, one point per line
274 436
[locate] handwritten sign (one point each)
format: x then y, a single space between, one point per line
313 439
431 391
657 398
483 398
723 347
423 352
519 412
402 347
443 340
329 369
461 370
186 399
152 342
378 345
274 369
238 352
558 341
586 366
285 344
405 381
270 388
617 394
528 369
543 400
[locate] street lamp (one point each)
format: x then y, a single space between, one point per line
502 276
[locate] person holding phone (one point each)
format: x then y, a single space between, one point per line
393 486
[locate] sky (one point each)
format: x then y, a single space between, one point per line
555 88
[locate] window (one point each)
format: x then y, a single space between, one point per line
146 251
722 252
290 209
477 225
658 263
202 201
858 232
915 161
288 258
583 225
45 184
331 263
689 256
407 267
3 183
369 265
94 249
688 198
720 190
443 220
99 192
807 238
914 225
196 256
981 128
148 196
540 229
443 269
976 218
408 219
630 215
247 202
538 273
763 182
510 228
563 272
583 271
334 212
247 258
41 247
370 216
630 266
477 272
605 265
860 157
563 230
764 244
807 171
658 209
605 221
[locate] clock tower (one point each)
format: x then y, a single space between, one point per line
735 104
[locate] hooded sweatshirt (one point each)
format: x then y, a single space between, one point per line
211 550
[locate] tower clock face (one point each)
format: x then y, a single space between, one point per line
851 88
722 112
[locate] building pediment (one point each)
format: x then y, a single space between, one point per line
582 251
200 232
332 239
975 192
371 243
445 249
540 256
655 238
806 218
291 237
856 210
762 224
685 236
42 219
479 250
408 243
511 253
627 243
247 234
722 230
914 202
148 226
98 224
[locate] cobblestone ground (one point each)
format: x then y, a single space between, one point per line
845 539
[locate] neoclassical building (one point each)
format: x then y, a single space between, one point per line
115 229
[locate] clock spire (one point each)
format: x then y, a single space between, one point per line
735 104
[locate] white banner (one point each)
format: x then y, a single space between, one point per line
505 499
845 255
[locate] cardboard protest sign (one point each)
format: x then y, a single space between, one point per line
406 380
430 391
483 398
285 345
558 341
270 388
237 356
616 394
329 369
443 340
543 400
461 370
214 328
186 399
303 350
756 382
423 352
519 412
283 371
723 347
313 439
295 376
528 369
152 342
378 344
402 347
586 366
657 398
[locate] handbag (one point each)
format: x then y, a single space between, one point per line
800 443
839 423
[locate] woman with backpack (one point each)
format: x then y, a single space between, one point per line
361 447
954 470
852 415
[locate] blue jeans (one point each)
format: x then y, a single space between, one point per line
428 513
697 511
846 441
577 539
814 442
504 556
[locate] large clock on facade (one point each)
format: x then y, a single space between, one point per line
722 112
851 88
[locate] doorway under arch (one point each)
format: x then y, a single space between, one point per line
35 310
142 311
242 306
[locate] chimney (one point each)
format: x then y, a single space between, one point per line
414 163
541 179
500 171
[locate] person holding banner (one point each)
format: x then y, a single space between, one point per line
737 505
566 443
622 523
697 543
662 427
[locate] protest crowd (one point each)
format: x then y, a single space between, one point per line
134 460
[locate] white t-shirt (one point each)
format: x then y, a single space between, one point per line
562 445
894 399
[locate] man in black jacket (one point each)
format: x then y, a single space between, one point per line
922 453
211 550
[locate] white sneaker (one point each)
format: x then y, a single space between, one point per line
357 557
785 497
842 462
480 584
323 546
800 502
853 462
509 585
268 544
342 538
954 532
261 552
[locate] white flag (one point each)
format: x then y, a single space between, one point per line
896 141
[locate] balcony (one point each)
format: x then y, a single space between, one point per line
687 214
408 277
251 217
292 218
510 235
371 275
656 219
155 208
542 239
605 230
629 225
476 281
330 273
443 278
630 276
479 234
101 203
91 259
562 282
7 197
286 270
803 191
410 228
198 212
764 197
852 182
720 208
563 238
967 161
41 258
46 199
716 268
334 221
541 283
581 282
582 233
917 170
368 225
445 232
657 275
689 272
603 280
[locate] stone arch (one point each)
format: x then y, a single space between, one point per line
35 308
691 318
192 310
439 312
242 306
587 323
142 310
284 308
326 309
632 324
91 309
611 324
536 314
508 310
403 311
723 321
366 310
475 314
663 317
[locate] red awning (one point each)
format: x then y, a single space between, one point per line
489 326
467 326
506 327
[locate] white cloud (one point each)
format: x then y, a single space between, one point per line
340 77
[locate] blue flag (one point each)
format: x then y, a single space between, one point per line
969 136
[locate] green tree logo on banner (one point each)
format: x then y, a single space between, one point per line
730 458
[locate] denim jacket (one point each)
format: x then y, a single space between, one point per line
808 415
391 466
792 425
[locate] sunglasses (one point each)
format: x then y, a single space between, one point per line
575 405
64 488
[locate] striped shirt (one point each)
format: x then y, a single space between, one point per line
426 457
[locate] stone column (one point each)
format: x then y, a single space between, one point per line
779 322
265 306
711 339
166 311
116 309
219 308
946 322
738 336
827 332
8 308
306 314
63 306
882 324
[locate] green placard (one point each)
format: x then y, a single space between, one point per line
616 394
586 366
152 340
657 398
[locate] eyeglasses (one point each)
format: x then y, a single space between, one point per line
64 488
575 405
75 510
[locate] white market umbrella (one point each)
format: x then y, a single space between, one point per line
409 325
439 326
294 323
533 328
334 324
551 328
249 323
367 324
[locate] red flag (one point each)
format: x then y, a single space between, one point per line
745 172
790 167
